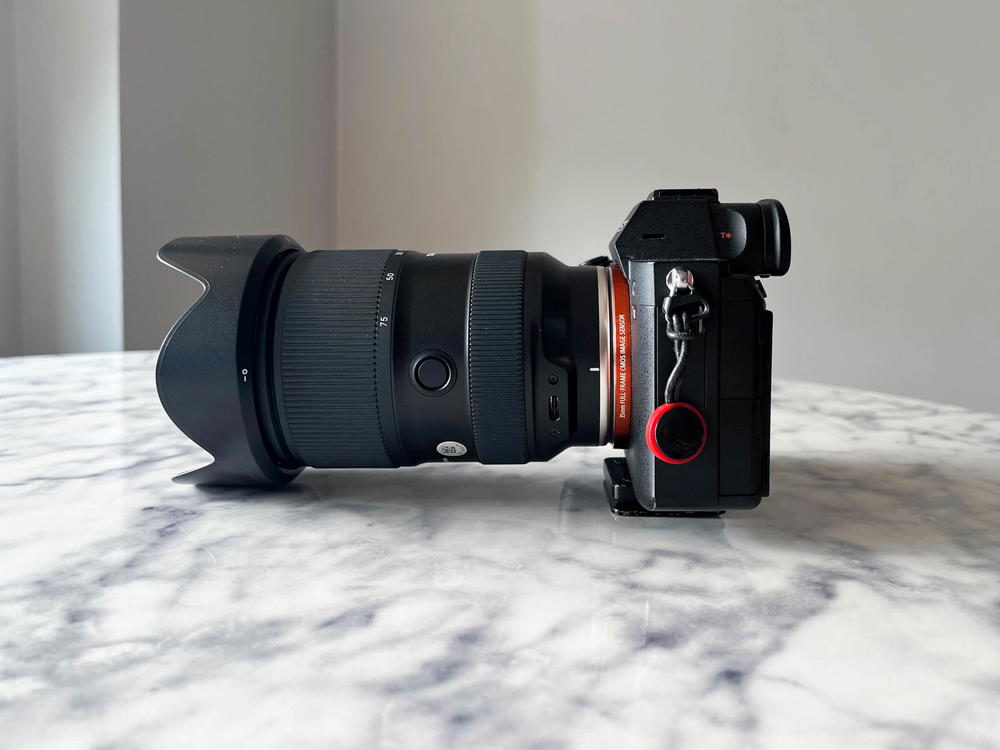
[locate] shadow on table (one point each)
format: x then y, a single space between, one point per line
839 502
447 488
867 504
876 505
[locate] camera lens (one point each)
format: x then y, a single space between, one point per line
379 358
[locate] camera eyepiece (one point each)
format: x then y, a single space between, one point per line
777 238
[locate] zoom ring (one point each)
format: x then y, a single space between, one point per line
325 349
496 357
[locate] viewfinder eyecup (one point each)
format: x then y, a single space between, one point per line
777 238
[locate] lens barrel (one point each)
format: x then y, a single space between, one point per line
380 358
384 358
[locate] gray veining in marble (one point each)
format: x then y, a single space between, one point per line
502 607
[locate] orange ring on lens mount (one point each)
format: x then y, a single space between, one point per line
621 358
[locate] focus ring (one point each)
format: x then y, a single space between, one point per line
496 357
325 350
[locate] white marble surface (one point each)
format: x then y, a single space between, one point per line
461 606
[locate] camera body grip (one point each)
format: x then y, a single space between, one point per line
726 378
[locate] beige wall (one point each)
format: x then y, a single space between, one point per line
537 125
471 124
227 128
10 260
62 253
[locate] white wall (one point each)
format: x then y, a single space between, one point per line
538 125
227 128
68 174
10 275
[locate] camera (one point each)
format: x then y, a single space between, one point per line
386 358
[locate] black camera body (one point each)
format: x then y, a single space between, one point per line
727 375
385 358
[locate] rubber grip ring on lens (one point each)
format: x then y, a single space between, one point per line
496 357
653 422
325 359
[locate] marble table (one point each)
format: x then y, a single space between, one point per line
502 607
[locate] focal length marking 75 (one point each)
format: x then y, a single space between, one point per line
384 354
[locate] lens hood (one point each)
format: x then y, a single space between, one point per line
211 372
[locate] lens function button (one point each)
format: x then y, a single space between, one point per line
432 373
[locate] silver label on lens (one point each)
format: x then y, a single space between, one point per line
451 448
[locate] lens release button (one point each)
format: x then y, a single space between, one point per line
432 373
